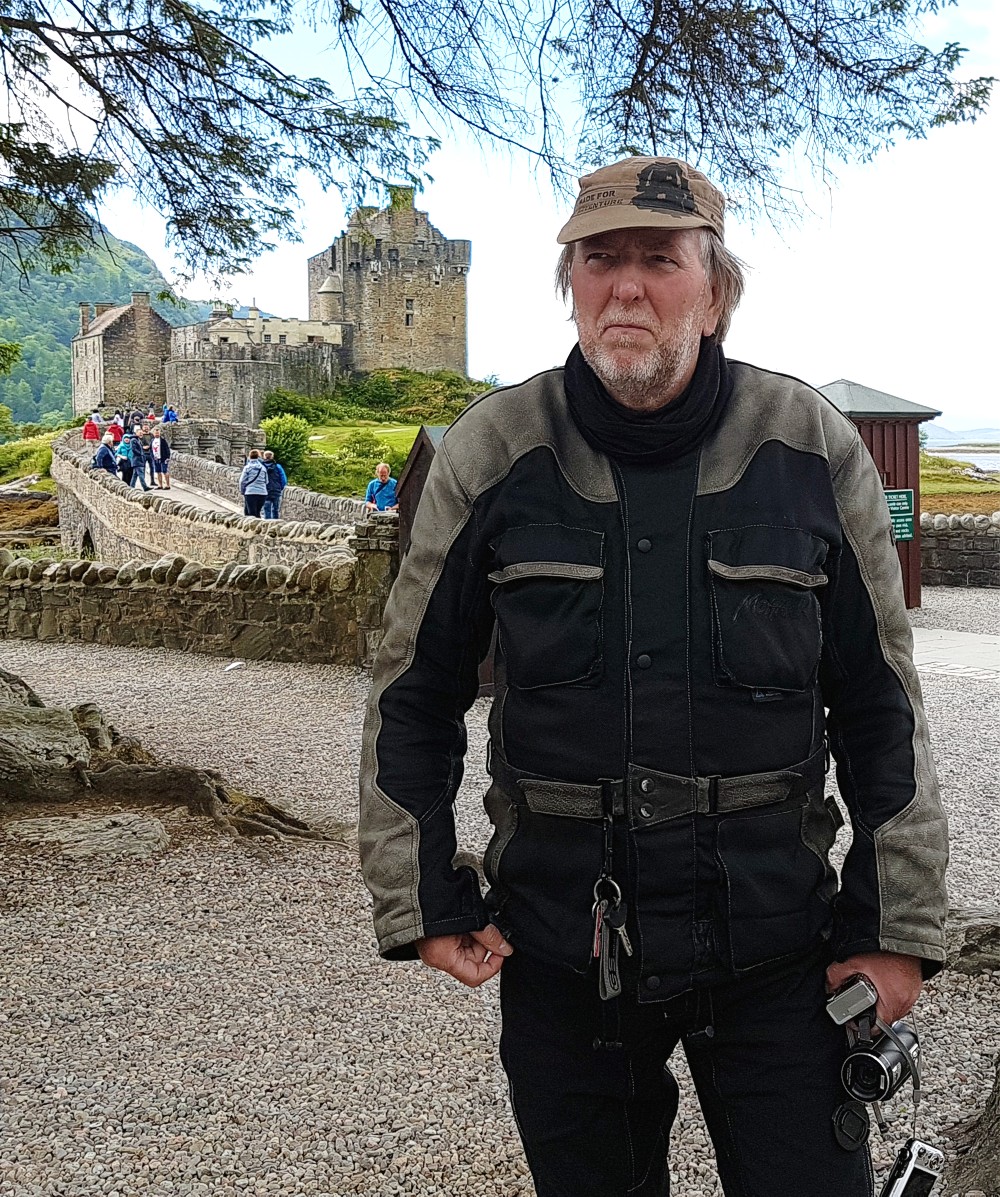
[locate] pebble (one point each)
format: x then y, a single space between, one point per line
214 1019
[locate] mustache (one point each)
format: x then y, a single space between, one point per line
623 316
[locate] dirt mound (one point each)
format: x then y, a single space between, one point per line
17 515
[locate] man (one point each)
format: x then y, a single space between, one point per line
277 480
687 560
381 492
160 451
104 458
137 456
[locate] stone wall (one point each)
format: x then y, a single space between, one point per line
101 517
296 502
327 610
960 550
231 381
218 440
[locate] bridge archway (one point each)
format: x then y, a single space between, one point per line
87 550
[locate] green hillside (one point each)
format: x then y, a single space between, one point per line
42 314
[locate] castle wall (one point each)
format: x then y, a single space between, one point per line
230 381
88 375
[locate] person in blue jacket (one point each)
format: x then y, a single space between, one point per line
381 492
138 454
104 458
277 480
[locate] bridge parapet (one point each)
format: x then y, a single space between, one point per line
101 517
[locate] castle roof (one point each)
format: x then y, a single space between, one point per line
331 285
104 321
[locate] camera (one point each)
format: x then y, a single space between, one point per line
916 1169
875 1071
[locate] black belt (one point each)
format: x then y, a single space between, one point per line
654 797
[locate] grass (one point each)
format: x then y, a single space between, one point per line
328 438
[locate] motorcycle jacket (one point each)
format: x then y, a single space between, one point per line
679 649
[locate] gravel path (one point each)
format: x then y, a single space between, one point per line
214 1020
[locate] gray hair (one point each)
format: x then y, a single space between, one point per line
724 269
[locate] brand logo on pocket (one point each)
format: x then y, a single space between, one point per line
762 606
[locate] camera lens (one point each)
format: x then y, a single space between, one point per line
864 1078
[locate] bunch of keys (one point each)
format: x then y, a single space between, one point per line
609 913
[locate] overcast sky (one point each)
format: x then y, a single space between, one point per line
890 280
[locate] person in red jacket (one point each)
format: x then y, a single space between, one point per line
116 432
91 432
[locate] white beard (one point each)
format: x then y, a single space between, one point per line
641 383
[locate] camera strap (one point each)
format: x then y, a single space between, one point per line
910 1060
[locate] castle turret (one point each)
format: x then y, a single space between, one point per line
331 298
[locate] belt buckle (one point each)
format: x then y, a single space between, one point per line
708 794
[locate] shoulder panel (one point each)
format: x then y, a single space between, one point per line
501 426
772 407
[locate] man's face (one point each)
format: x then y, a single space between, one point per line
642 302
382 473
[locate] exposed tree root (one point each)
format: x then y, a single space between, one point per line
49 755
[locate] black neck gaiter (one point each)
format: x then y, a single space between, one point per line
663 435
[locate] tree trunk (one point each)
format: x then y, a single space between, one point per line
976 1150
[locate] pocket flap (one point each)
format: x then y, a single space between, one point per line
767 573
547 569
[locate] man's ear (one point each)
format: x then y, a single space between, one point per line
713 313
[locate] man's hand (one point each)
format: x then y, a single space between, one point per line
897 979
471 958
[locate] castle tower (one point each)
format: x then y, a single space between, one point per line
403 289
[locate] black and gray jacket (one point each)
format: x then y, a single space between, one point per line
679 644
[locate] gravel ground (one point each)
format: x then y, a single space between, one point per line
214 1020
956 610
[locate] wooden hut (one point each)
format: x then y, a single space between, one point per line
889 428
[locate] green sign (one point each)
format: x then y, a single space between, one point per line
901 511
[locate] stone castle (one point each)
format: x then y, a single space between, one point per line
390 291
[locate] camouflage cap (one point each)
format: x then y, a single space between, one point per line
642 193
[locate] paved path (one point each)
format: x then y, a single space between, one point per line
181 492
958 654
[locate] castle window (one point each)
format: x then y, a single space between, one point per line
409 319
282 339
267 338
333 257
223 340
409 305
378 247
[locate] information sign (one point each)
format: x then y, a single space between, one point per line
901 511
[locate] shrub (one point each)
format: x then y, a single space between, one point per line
288 438
22 457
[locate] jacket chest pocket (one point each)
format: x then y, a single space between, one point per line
766 618
548 595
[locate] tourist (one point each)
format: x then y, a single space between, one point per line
161 459
277 480
253 484
169 415
381 492
138 455
104 458
123 459
689 562
91 432
115 429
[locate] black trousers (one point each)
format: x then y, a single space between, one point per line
595 1120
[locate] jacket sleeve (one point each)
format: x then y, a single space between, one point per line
892 895
437 625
